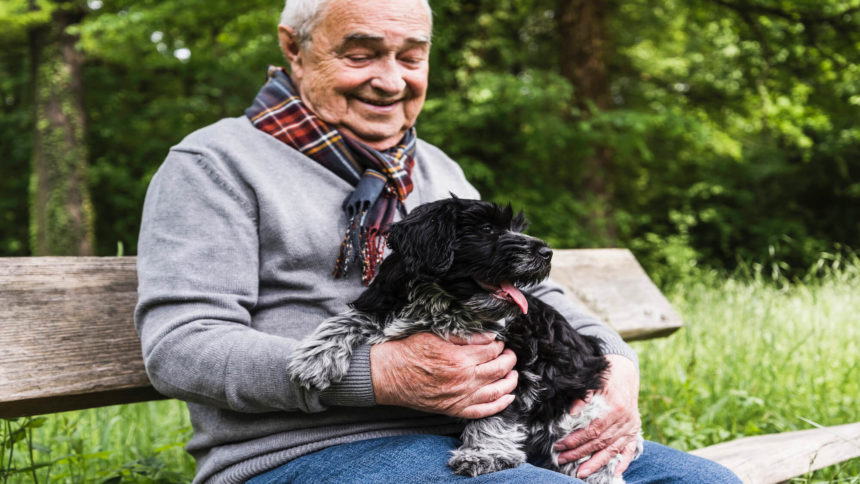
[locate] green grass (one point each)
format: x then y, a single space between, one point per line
755 356
124 443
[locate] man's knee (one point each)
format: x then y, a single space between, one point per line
659 463
526 474
708 472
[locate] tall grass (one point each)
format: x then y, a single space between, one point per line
124 443
757 355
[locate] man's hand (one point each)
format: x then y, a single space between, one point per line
468 379
614 433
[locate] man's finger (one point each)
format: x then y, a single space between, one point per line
482 410
592 439
498 367
475 339
626 458
497 389
479 354
586 436
598 460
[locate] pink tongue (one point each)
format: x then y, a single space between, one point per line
515 294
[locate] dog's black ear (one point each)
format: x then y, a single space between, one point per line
519 222
425 238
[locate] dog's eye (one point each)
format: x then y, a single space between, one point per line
487 229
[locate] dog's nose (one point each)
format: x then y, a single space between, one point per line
545 252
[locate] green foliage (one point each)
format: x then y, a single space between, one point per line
732 125
754 358
732 129
15 141
144 95
18 17
141 443
785 111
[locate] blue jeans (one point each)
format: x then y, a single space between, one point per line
423 458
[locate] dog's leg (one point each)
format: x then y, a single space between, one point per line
566 424
323 358
606 474
490 444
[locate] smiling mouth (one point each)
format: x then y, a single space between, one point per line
380 103
506 292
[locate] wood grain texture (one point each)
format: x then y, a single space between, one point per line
768 459
612 285
68 339
67 334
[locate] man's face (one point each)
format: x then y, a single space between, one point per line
365 70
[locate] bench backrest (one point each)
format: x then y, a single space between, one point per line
67 340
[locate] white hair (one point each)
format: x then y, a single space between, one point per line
303 15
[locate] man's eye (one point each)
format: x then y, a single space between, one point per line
487 229
411 60
359 55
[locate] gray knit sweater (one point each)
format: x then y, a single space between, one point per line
239 238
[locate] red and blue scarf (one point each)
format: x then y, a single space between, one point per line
382 179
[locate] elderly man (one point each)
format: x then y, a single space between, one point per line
248 239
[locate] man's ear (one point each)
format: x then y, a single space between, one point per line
292 48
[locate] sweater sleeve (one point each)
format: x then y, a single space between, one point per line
198 278
551 293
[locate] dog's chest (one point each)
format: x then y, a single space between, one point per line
439 315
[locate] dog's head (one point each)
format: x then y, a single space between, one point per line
473 250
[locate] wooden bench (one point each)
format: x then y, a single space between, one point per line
67 342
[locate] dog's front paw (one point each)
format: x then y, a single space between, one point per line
316 371
472 462
606 474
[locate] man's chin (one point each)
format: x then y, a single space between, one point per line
378 139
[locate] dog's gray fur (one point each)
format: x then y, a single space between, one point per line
489 444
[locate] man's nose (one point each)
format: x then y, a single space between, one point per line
388 78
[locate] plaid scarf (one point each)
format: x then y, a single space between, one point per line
381 179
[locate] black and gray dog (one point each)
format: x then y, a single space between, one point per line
456 269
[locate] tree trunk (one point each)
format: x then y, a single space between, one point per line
61 212
583 38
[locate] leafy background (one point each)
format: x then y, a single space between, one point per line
732 124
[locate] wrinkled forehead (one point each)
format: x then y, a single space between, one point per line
380 19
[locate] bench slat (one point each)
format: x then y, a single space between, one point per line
768 459
613 287
68 340
67 334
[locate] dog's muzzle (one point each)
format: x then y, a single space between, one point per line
507 292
